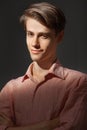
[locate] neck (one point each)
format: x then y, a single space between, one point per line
42 67
39 68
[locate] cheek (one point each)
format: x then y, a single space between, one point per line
49 45
28 46
46 44
45 47
27 42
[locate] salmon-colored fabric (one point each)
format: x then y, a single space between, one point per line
63 94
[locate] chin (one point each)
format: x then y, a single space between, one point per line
35 59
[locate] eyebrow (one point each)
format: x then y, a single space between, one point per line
40 33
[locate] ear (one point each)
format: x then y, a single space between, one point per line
60 36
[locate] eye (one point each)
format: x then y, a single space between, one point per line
44 36
29 34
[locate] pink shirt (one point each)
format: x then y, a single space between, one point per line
62 94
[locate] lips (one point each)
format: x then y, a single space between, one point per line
36 51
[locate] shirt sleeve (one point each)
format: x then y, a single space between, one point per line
74 113
6 104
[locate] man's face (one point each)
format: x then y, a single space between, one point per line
41 41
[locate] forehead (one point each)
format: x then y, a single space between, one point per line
34 25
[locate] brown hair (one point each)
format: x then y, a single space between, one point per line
47 14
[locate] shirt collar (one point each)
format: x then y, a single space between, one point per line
55 69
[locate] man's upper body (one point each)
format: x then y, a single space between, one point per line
62 94
48 96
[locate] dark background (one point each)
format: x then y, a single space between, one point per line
14 56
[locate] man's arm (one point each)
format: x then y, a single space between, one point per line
6 113
7 120
74 114
45 125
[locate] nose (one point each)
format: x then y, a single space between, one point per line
35 42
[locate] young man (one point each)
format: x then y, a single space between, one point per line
48 96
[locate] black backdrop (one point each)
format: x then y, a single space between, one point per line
14 56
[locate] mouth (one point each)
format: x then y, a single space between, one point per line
36 51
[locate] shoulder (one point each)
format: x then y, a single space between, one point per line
75 76
10 85
75 73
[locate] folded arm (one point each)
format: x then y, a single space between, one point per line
45 125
